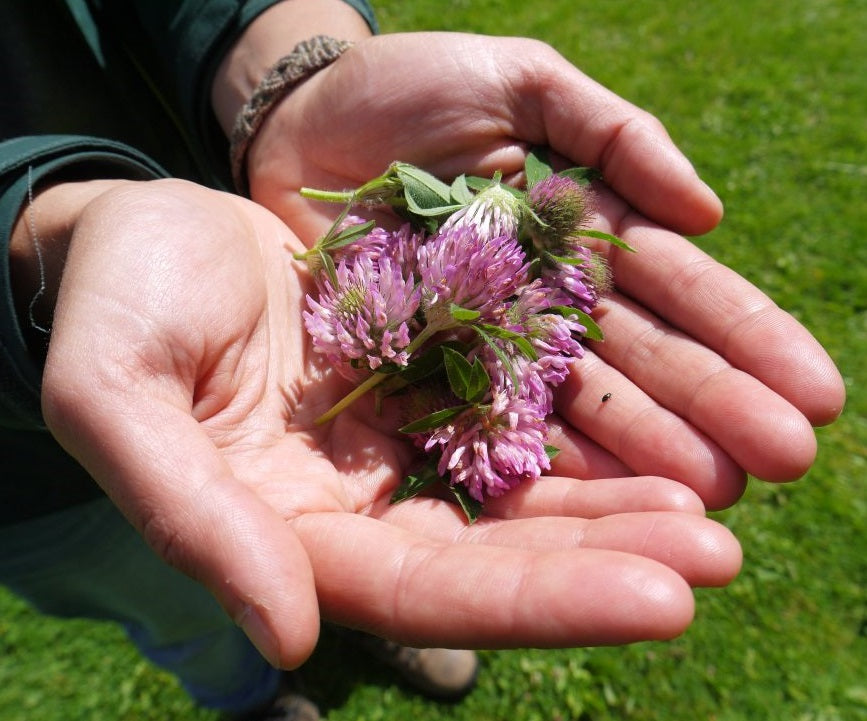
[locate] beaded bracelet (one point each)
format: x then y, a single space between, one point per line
306 59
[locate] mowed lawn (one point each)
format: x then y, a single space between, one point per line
769 100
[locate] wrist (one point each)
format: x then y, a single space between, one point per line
268 38
37 251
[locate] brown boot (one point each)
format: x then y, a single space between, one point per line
441 673
289 704
289 707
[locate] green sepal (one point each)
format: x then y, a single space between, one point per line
499 352
565 259
479 184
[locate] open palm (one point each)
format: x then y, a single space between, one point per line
709 379
179 376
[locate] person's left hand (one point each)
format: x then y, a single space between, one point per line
180 376
709 379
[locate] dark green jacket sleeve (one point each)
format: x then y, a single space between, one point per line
178 45
38 476
25 163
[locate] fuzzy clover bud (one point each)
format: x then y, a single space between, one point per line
461 265
492 448
495 211
560 207
364 319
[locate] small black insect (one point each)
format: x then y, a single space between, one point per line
606 397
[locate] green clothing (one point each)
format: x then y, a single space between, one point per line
96 88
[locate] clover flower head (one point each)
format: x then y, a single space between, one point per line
555 339
399 245
560 208
365 318
495 211
462 266
493 448
521 377
574 279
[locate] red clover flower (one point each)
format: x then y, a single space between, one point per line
475 307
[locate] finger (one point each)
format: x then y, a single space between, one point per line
553 496
165 475
702 551
394 583
758 429
711 303
580 457
645 435
586 122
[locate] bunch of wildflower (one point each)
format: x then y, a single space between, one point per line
473 310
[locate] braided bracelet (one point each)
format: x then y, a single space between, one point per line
305 60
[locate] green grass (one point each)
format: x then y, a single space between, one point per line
769 101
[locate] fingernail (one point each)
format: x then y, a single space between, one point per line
252 623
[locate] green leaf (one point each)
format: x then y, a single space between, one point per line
477 183
434 420
581 174
613 239
566 260
412 485
462 315
468 382
460 192
552 452
425 189
423 366
426 195
536 166
328 267
592 330
471 507
432 212
500 353
520 342
347 236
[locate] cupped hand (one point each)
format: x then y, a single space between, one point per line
461 103
180 376
709 380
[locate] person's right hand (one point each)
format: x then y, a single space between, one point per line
710 379
180 376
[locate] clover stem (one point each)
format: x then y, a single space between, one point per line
371 382
351 397
329 196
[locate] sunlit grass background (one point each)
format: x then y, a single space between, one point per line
769 100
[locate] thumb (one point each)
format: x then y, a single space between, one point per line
590 125
164 473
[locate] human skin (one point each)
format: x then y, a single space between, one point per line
178 374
